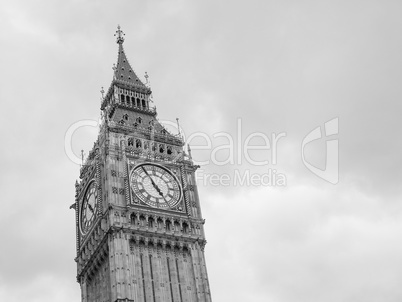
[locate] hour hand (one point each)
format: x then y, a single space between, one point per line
91 208
157 189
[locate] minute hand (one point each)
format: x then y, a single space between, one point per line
153 183
157 188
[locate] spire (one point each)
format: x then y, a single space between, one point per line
123 72
124 76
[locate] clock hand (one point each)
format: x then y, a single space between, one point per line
159 191
156 188
166 202
91 208
153 183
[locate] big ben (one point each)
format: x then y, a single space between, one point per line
140 232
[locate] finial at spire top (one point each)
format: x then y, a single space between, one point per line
119 34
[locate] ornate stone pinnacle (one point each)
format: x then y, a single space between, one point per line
147 82
189 151
178 125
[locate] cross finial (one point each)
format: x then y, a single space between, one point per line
119 34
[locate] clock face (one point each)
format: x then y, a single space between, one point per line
156 186
88 208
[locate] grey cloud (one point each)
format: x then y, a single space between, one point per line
281 67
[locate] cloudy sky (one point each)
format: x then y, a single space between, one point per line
275 67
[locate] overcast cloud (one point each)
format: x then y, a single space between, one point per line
278 66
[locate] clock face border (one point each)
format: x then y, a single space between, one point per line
91 185
154 203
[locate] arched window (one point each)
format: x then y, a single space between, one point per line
153 147
138 143
125 117
176 226
160 223
142 220
128 100
143 104
133 219
161 148
133 101
122 98
185 228
130 141
168 225
150 222
146 145
138 103
169 150
132 244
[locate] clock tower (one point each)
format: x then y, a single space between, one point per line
140 234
